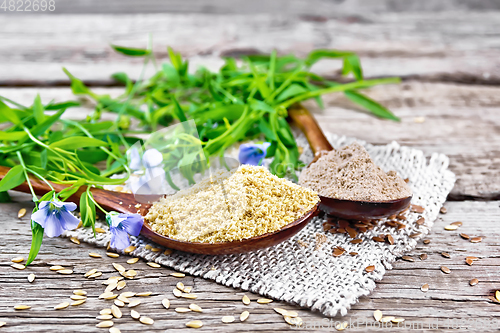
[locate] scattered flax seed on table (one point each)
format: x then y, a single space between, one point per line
229 206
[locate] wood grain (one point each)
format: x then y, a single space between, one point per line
297 7
460 121
397 294
429 45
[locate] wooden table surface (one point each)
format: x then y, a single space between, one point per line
449 58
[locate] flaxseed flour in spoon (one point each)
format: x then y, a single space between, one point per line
350 174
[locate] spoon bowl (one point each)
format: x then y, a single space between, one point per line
126 203
348 209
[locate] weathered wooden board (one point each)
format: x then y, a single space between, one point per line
398 294
311 7
449 45
461 121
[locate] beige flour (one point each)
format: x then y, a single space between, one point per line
231 206
349 173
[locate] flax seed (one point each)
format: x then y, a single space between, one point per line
464 236
178 275
476 239
119 303
408 258
105 324
144 294
445 270
420 221
134 314
75 240
451 227
21 213
65 271
473 282
445 254
77 297
244 316
425 287
61 306
195 308
134 303
194 324
129 249
417 209
370 268
116 312
182 310
153 264
377 314
356 241
423 256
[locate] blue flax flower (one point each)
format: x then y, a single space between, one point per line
253 154
122 225
55 217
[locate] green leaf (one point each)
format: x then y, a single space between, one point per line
63 105
370 105
8 114
36 240
352 64
5 197
131 51
293 90
178 112
38 110
47 123
87 210
69 191
13 178
43 159
76 142
12 136
317 55
77 85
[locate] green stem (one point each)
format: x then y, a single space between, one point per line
41 178
95 203
343 87
35 198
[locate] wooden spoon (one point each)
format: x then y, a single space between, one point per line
126 203
348 209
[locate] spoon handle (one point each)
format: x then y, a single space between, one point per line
107 199
308 125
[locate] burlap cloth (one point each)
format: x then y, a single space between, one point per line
311 278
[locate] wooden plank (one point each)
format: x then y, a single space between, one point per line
424 45
397 294
311 7
461 121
